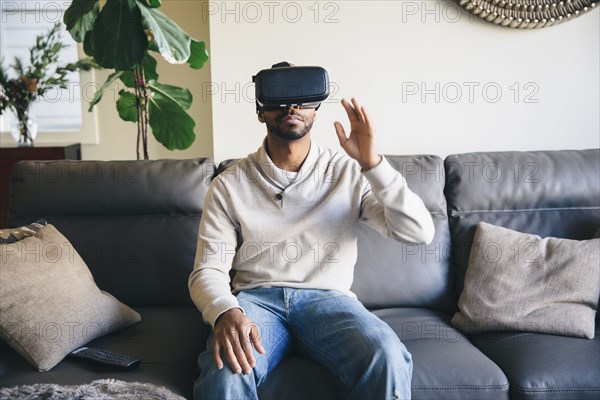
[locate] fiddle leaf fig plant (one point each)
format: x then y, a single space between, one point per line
124 35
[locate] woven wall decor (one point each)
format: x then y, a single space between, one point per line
527 14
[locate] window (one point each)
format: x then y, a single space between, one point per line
60 114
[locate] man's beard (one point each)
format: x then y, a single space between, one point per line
289 132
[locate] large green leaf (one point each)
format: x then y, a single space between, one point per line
80 17
118 38
109 81
127 106
171 41
128 79
181 96
171 125
88 45
150 72
198 54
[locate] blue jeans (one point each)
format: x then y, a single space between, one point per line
328 327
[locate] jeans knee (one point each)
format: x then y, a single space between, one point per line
383 369
387 350
214 383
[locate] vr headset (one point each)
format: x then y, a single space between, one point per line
284 85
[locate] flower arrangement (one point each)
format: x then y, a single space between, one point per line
34 81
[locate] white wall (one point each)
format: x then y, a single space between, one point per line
496 88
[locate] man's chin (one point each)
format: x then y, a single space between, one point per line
290 136
289 132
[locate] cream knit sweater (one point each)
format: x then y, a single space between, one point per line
279 231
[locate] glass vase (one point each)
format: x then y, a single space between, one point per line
24 128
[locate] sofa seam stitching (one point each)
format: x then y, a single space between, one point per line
542 390
499 387
524 210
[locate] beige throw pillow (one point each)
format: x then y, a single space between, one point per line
521 282
49 302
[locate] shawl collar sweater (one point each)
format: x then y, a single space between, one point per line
277 231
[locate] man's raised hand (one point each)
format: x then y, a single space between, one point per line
360 144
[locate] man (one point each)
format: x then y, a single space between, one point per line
284 218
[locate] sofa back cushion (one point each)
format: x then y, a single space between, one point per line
134 223
393 274
546 193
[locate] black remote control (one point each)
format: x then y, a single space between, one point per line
106 357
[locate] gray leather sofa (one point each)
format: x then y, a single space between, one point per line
135 224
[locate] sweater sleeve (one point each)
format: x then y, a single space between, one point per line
392 209
209 282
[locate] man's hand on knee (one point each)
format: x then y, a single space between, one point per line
235 334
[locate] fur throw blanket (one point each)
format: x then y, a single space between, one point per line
102 389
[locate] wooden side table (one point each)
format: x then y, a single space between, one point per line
9 156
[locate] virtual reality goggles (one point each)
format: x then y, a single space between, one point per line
284 85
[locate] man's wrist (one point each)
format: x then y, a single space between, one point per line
367 165
226 312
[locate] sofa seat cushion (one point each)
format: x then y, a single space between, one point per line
298 378
548 367
446 365
168 340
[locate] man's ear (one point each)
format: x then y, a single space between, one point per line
261 117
